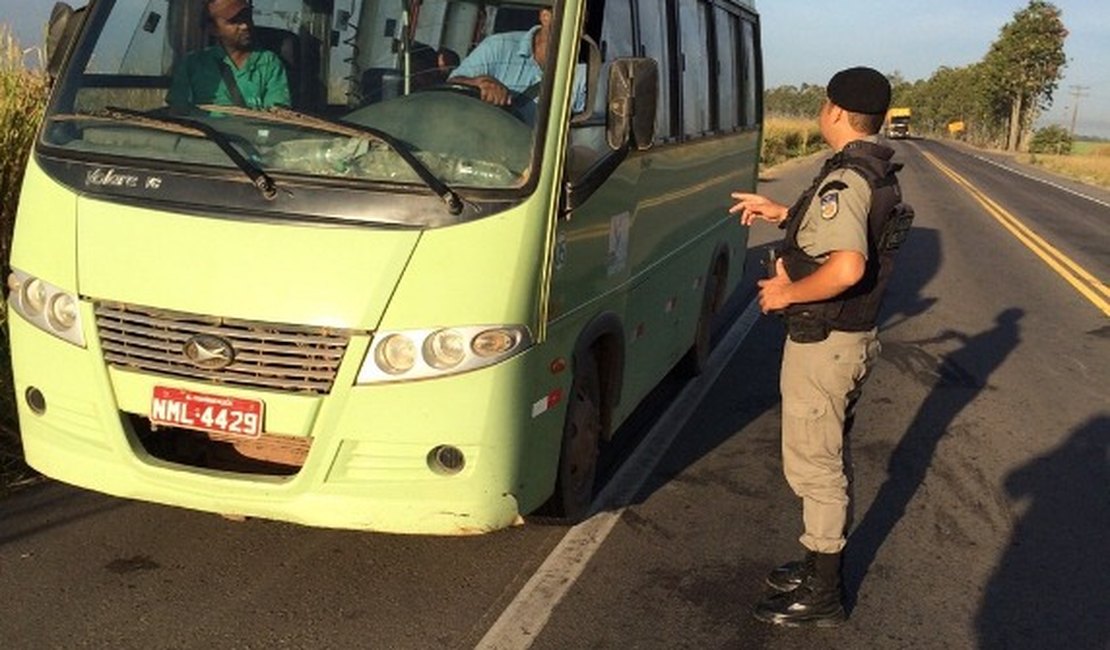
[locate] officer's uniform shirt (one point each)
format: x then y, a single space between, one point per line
836 219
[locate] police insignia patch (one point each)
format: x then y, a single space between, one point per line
830 204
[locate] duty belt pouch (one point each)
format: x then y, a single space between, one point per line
801 329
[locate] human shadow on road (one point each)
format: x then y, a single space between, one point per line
956 378
1051 588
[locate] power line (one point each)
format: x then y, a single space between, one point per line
1077 92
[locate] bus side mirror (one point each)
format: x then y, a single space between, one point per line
61 31
633 94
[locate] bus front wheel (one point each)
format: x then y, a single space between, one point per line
578 456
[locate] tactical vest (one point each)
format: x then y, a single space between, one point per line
888 223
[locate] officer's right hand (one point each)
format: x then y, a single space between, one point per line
756 206
774 292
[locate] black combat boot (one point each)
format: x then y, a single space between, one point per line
788 576
816 601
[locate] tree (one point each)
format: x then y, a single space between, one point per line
1051 139
794 102
951 95
1025 64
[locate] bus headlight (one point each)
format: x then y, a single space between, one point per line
63 311
493 342
394 356
49 308
444 349
32 296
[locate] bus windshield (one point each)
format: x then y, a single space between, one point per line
296 75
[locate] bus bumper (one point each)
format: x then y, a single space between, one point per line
367 468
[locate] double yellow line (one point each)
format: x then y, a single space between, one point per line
1086 284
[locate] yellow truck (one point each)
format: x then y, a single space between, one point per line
898 123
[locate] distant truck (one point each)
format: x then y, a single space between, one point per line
898 123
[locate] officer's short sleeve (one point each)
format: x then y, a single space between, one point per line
837 218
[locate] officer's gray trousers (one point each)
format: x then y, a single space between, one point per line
819 382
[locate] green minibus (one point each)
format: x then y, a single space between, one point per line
387 302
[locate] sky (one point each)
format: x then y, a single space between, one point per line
806 41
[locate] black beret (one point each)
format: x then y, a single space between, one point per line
860 90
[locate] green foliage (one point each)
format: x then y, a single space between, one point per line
950 95
792 101
22 100
1025 64
1028 58
1051 139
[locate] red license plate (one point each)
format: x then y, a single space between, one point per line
216 413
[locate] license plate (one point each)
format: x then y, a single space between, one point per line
216 413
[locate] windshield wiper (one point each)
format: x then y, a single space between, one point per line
287 116
258 177
193 128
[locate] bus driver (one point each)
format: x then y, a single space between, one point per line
232 72
511 64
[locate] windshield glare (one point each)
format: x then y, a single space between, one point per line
344 60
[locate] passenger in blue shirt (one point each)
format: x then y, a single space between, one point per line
505 65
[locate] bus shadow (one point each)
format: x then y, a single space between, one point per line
1046 588
47 506
749 387
656 403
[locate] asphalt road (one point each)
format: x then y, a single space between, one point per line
981 458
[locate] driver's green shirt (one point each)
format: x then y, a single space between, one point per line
197 80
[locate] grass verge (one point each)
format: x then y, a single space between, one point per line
1092 167
789 137
23 92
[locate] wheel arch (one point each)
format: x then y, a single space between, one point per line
603 340
722 257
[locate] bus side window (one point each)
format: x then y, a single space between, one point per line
750 68
728 34
615 38
693 19
654 43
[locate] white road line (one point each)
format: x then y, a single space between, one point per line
1041 180
524 618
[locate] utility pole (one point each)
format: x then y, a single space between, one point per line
1076 93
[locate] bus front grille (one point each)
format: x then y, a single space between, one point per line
292 358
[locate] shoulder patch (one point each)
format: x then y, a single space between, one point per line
832 186
830 204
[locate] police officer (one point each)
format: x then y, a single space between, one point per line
827 282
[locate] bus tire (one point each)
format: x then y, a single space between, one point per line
576 476
693 362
